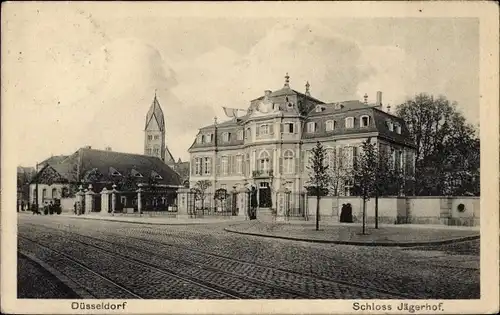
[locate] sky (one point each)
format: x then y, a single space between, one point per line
78 75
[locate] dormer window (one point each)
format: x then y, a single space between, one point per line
349 122
319 108
135 173
240 134
225 136
201 139
114 172
390 125
311 127
330 125
155 175
248 133
365 121
288 127
398 129
211 138
339 106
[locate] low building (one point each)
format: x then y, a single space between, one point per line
269 146
103 170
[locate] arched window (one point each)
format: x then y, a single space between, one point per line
264 161
44 194
330 125
398 129
365 121
248 133
288 165
54 193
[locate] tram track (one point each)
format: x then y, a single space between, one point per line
339 285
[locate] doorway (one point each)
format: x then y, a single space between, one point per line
265 200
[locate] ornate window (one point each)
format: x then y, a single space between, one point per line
239 164
197 168
349 122
264 129
288 128
288 162
330 125
365 121
224 165
248 133
264 161
202 138
240 134
225 136
150 137
207 165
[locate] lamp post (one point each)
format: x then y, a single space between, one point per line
36 187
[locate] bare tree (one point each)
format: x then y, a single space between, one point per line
318 177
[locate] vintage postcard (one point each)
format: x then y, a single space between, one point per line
250 158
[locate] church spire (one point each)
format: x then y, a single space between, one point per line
287 81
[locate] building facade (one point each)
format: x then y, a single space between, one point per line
269 147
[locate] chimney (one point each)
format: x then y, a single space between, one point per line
389 108
365 97
108 148
379 98
87 147
267 93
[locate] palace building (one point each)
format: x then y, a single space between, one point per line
269 146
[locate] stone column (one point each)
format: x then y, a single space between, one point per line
139 200
79 200
89 200
182 199
243 201
104 201
113 200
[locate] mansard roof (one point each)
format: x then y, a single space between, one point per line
155 112
288 91
110 165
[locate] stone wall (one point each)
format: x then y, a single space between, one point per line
401 210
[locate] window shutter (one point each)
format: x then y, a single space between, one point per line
271 129
234 170
303 160
217 166
257 130
282 127
341 157
354 156
193 166
281 165
316 127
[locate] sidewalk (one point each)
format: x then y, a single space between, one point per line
152 220
351 234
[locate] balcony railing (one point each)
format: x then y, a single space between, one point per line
262 173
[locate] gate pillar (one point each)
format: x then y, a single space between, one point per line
89 200
79 200
139 200
243 201
104 200
182 200
113 199
283 204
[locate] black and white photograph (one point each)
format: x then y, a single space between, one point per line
268 153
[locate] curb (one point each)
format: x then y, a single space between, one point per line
73 286
152 223
355 243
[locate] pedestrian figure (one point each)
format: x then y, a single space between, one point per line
253 204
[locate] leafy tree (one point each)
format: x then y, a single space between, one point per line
441 135
319 178
365 173
199 190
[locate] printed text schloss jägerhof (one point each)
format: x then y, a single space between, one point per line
403 307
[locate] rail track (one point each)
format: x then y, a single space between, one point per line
294 293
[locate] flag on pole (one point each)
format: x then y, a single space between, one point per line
232 112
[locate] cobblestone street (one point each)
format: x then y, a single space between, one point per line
105 259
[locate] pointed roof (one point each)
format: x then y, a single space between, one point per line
169 158
155 112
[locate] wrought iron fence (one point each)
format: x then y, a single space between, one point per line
295 205
220 203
